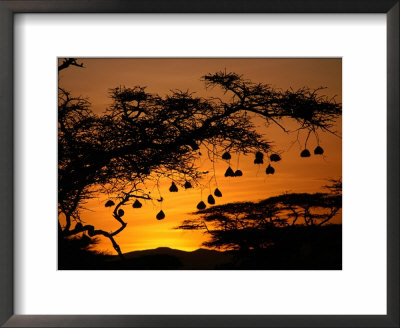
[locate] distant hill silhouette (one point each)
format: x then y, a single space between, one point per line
168 258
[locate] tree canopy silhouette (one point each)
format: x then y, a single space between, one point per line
143 137
249 225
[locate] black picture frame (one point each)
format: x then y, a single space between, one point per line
10 7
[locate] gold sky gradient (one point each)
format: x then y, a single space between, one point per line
293 174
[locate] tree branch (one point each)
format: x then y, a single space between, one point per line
69 62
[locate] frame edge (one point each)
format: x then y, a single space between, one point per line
6 201
393 168
6 164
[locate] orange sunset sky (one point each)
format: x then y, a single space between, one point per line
292 174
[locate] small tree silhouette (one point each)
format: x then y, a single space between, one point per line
248 225
143 137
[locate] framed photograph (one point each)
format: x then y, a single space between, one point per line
183 164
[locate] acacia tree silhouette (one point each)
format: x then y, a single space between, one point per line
143 137
248 225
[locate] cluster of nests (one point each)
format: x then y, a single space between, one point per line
210 199
317 151
173 188
259 159
137 204
201 205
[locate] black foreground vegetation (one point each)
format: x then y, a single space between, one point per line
286 232
296 248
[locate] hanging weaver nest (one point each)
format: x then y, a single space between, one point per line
270 170
305 153
318 150
226 156
173 187
238 173
90 230
229 172
217 193
201 205
160 215
259 158
109 203
137 204
275 158
211 199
